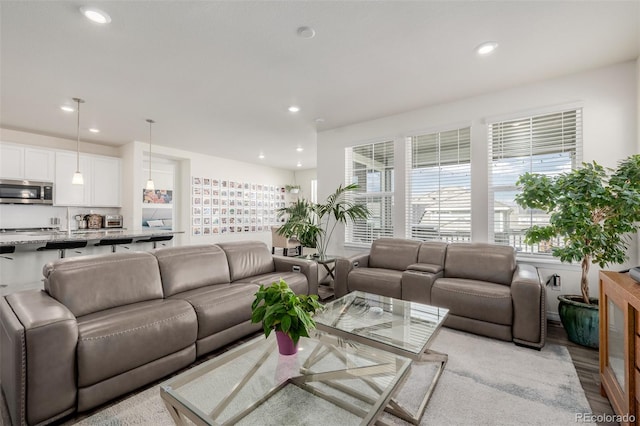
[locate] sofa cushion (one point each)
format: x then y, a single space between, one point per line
393 253
117 340
432 252
484 262
247 259
219 307
474 299
296 281
88 284
385 282
188 267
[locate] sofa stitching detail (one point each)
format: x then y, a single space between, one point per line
474 294
71 268
135 328
23 384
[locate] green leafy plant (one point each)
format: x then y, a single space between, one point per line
314 223
301 222
592 209
280 309
292 188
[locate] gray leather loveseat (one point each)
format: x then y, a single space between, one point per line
483 287
108 324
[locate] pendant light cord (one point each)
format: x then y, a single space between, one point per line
150 121
78 101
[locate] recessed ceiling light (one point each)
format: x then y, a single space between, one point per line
66 108
306 32
486 48
261 156
294 108
299 149
95 15
299 164
94 130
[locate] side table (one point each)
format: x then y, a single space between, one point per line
328 261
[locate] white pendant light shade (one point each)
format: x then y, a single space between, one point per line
77 179
77 176
150 186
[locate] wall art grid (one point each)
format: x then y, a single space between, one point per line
220 206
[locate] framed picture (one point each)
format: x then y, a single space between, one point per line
196 181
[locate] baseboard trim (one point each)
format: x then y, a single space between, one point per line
553 316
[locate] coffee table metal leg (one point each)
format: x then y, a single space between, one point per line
398 410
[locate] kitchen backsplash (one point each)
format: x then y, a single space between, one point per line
34 216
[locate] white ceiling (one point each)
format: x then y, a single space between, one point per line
218 76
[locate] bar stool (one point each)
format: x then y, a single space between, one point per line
7 250
113 242
61 246
156 239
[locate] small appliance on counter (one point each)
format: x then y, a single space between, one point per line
113 221
94 221
81 223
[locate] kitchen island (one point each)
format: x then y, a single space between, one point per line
16 238
24 254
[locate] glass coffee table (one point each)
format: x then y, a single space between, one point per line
396 326
329 378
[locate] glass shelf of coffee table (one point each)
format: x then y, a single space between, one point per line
329 376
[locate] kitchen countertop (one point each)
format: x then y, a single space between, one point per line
42 237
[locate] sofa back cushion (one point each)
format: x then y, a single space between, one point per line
393 253
188 267
248 259
90 284
483 262
432 252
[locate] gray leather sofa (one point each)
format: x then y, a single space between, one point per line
483 287
108 324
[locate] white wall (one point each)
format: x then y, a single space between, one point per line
304 178
194 164
609 100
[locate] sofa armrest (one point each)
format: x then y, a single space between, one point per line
529 307
416 285
425 267
307 267
343 267
38 340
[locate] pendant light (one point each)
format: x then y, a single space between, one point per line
77 176
150 186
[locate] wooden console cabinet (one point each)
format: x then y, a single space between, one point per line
620 343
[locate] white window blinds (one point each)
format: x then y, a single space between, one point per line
549 144
439 186
371 166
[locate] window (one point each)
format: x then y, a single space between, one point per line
439 186
371 166
548 144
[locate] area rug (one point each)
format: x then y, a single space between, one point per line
486 382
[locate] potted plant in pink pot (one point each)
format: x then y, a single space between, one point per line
288 314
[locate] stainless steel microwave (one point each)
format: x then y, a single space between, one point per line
25 192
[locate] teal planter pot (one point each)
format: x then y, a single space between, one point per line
580 321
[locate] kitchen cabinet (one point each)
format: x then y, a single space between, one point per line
26 163
101 181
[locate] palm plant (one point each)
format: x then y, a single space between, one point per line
301 222
313 224
338 209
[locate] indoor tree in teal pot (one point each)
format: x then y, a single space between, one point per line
593 210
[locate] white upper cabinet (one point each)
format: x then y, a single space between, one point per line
106 182
101 181
26 163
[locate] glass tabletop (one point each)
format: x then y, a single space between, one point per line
327 258
253 384
399 326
